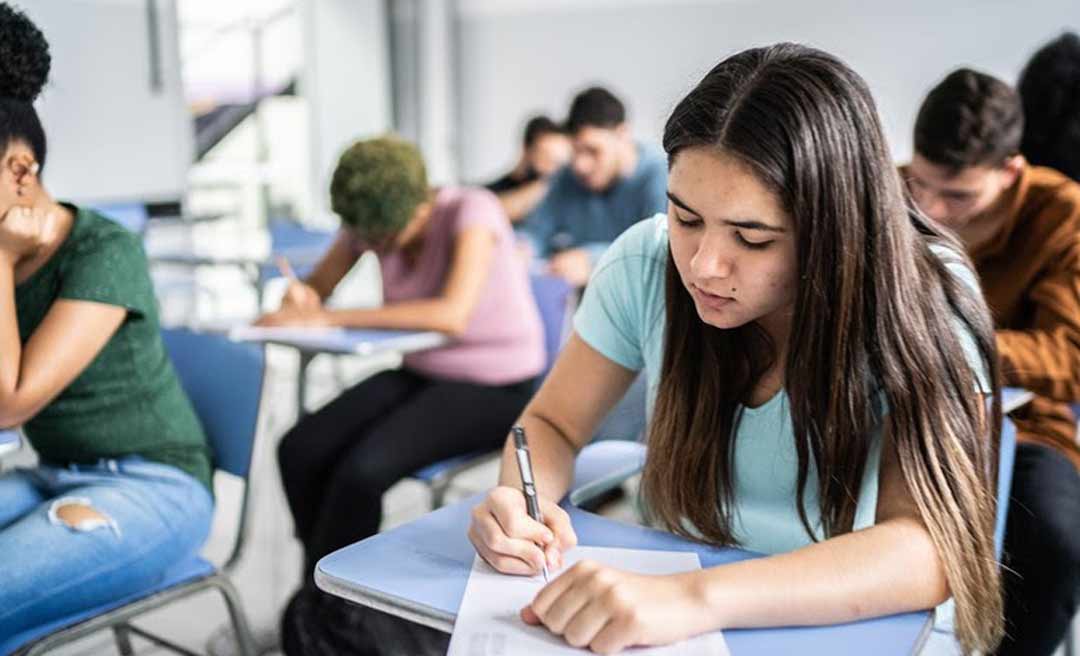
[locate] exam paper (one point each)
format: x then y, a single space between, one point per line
488 623
291 333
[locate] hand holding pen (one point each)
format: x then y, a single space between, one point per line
528 484
298 294
513 538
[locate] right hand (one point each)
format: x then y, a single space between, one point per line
300 296
24 230
507 538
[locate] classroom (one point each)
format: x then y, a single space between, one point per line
529 327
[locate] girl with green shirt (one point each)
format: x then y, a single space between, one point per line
818 358
122 488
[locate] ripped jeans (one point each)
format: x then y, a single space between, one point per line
143 517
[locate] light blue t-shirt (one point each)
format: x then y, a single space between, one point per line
622 317
573 216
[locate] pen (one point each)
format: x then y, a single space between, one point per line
285 268
528 485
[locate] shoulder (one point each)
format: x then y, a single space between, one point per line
1051 210
653 166
563 183
96 233
469 200
1053 193
473 207
957 264
652 158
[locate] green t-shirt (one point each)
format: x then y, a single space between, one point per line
128 401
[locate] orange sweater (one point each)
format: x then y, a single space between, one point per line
1030 275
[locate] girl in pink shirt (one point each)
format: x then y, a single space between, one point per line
448 264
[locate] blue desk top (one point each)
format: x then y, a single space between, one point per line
419 571
355 342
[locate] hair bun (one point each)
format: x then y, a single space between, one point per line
24 56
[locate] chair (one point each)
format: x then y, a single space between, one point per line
133 216
224 381
554 298
301 246
1006 461
604 465
9 442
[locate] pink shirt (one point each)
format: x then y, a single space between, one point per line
504 340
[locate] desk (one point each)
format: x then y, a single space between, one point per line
312 342
439 558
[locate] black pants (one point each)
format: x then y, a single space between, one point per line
1042 550
318 624
337 463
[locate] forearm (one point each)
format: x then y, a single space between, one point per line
10 345
1046 362
427 314
519 202
552 454
888 568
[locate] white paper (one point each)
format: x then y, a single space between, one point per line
288 333
488 623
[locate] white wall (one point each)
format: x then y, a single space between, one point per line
519 57
345 79
112 137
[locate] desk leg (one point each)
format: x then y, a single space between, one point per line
301 384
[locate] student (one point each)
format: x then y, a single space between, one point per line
448 264
545 150
1021 227
122 491
611 183
1050 90
817 355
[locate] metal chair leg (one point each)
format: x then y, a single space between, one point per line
438 493
244 640
123 640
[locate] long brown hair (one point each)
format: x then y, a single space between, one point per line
875 318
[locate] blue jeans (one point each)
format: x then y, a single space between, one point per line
154 516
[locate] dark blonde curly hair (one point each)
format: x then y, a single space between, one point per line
377 186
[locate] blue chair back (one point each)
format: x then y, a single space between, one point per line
553 297
224 380
1006 461
132 216
302 247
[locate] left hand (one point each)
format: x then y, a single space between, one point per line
608 610
573 266
293 316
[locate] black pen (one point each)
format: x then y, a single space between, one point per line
528 484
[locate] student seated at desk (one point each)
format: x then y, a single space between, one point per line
122 489
545 150
818 356
611 183
1021 227
448 264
